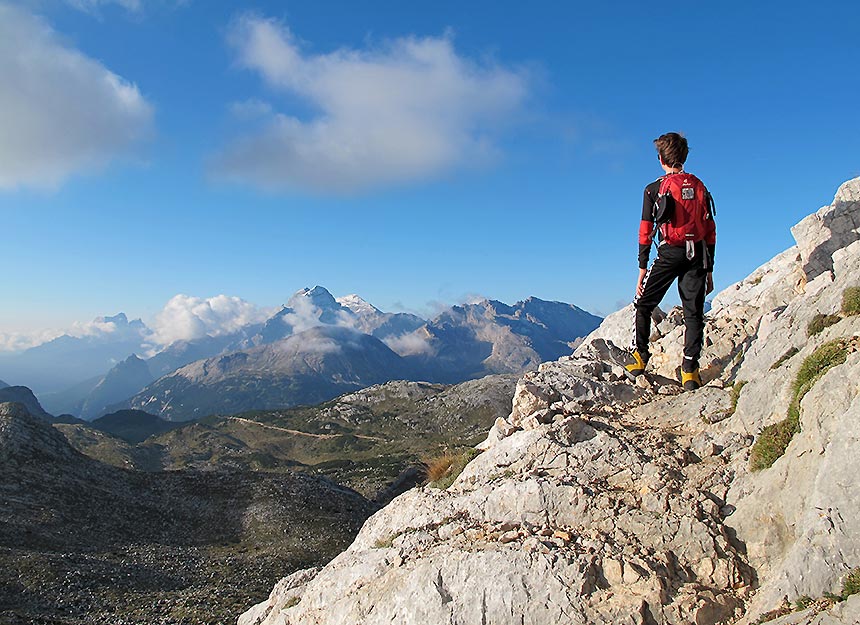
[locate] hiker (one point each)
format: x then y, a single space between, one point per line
678 208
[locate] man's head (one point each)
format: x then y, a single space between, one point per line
672 149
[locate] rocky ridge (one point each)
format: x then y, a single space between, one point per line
602 501
23 395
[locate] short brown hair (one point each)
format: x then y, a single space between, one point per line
672 149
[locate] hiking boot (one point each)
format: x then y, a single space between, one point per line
690 380
637 367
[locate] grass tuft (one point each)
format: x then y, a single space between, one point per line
439 466
851 584
774 439
782 359
291 602
819 322
737 387
851 301
815 365
444 469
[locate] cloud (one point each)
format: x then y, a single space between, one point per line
96 327
411 344
185 317
100 327
62 112
19 341
318 345
132 6
407 111
93 5
305 314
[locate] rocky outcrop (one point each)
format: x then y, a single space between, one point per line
602 501
23 435
24 396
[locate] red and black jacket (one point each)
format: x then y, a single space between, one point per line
647 229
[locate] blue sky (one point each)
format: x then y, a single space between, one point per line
418 154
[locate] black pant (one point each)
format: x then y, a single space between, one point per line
671 263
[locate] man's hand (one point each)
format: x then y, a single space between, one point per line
640 286
709 283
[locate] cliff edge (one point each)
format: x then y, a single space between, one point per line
600 501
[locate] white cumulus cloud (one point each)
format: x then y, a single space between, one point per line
186 317
61 112
19 341
98 328
394 114
410 344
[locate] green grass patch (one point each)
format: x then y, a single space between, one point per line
773 440
851 301
815 365
819 322
737 387
782 359
851 584
291 602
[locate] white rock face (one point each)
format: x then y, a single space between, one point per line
832 228
602 501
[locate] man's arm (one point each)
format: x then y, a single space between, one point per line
711 243
646 232
646 225
640 284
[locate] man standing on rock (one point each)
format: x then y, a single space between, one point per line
679 208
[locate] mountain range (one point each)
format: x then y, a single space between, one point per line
354 347
314 348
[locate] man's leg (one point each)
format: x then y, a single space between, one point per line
657 281
691 288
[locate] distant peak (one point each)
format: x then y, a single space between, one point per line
317 291
119 318
357 304
318 295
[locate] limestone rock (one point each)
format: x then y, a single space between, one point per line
601 501
552 478
617 328
843 613
832 228
814 528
